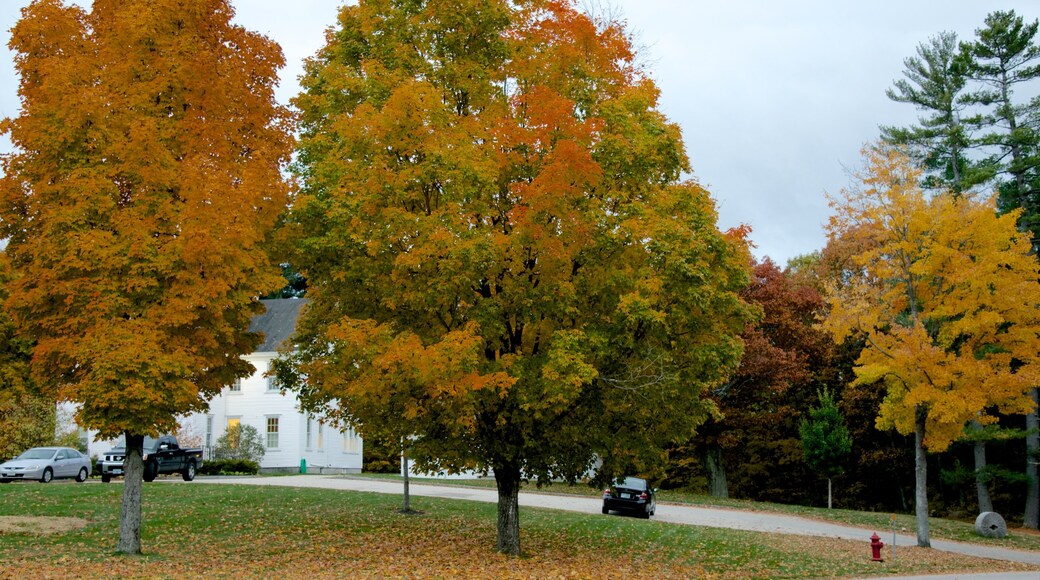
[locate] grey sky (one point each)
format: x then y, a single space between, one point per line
775 98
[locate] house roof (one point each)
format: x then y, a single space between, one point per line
278 323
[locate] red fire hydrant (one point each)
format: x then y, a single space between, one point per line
875 546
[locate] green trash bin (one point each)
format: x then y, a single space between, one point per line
303 466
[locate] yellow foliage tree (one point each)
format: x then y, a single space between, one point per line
945 293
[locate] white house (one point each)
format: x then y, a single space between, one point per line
293 439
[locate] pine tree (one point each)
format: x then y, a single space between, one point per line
934 84
825 439
1002 57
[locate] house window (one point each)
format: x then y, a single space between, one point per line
310 422
272 432
233 422
321 435
236 387
209 431
272 381
350 442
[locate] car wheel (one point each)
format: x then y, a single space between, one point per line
5 481
105 478
82 475
189 473
605 510
151 469
48 475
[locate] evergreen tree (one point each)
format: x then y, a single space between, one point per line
1003 56
825 439
934 84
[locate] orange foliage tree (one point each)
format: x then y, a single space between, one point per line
147 174
503 264
945 293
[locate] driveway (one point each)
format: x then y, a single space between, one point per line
671 513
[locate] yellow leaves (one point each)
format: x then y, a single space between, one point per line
567 369
643 304
945 293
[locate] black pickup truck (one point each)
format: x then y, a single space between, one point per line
162 455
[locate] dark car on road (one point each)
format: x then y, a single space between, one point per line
632 495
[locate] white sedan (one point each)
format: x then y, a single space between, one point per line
45 464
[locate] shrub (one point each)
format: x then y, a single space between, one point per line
382 457
229 467
240 442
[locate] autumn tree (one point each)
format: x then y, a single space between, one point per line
27 415
503 263
754 446
145 177
944 292
825 439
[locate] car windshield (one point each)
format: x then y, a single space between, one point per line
38 453
631 483
149 443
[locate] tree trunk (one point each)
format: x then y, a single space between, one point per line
828 493
1031 518
507 479
406 507
716 472
981 486
133 477
921 475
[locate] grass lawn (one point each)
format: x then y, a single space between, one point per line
194 530
940 529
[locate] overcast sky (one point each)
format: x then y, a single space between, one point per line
775 98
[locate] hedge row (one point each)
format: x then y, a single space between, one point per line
229 467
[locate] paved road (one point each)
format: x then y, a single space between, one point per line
673 513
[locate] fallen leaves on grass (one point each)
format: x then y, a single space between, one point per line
212 531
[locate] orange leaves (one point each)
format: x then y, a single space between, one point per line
148 176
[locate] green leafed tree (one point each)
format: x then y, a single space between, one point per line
825 439
146 176
934 84
502 261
